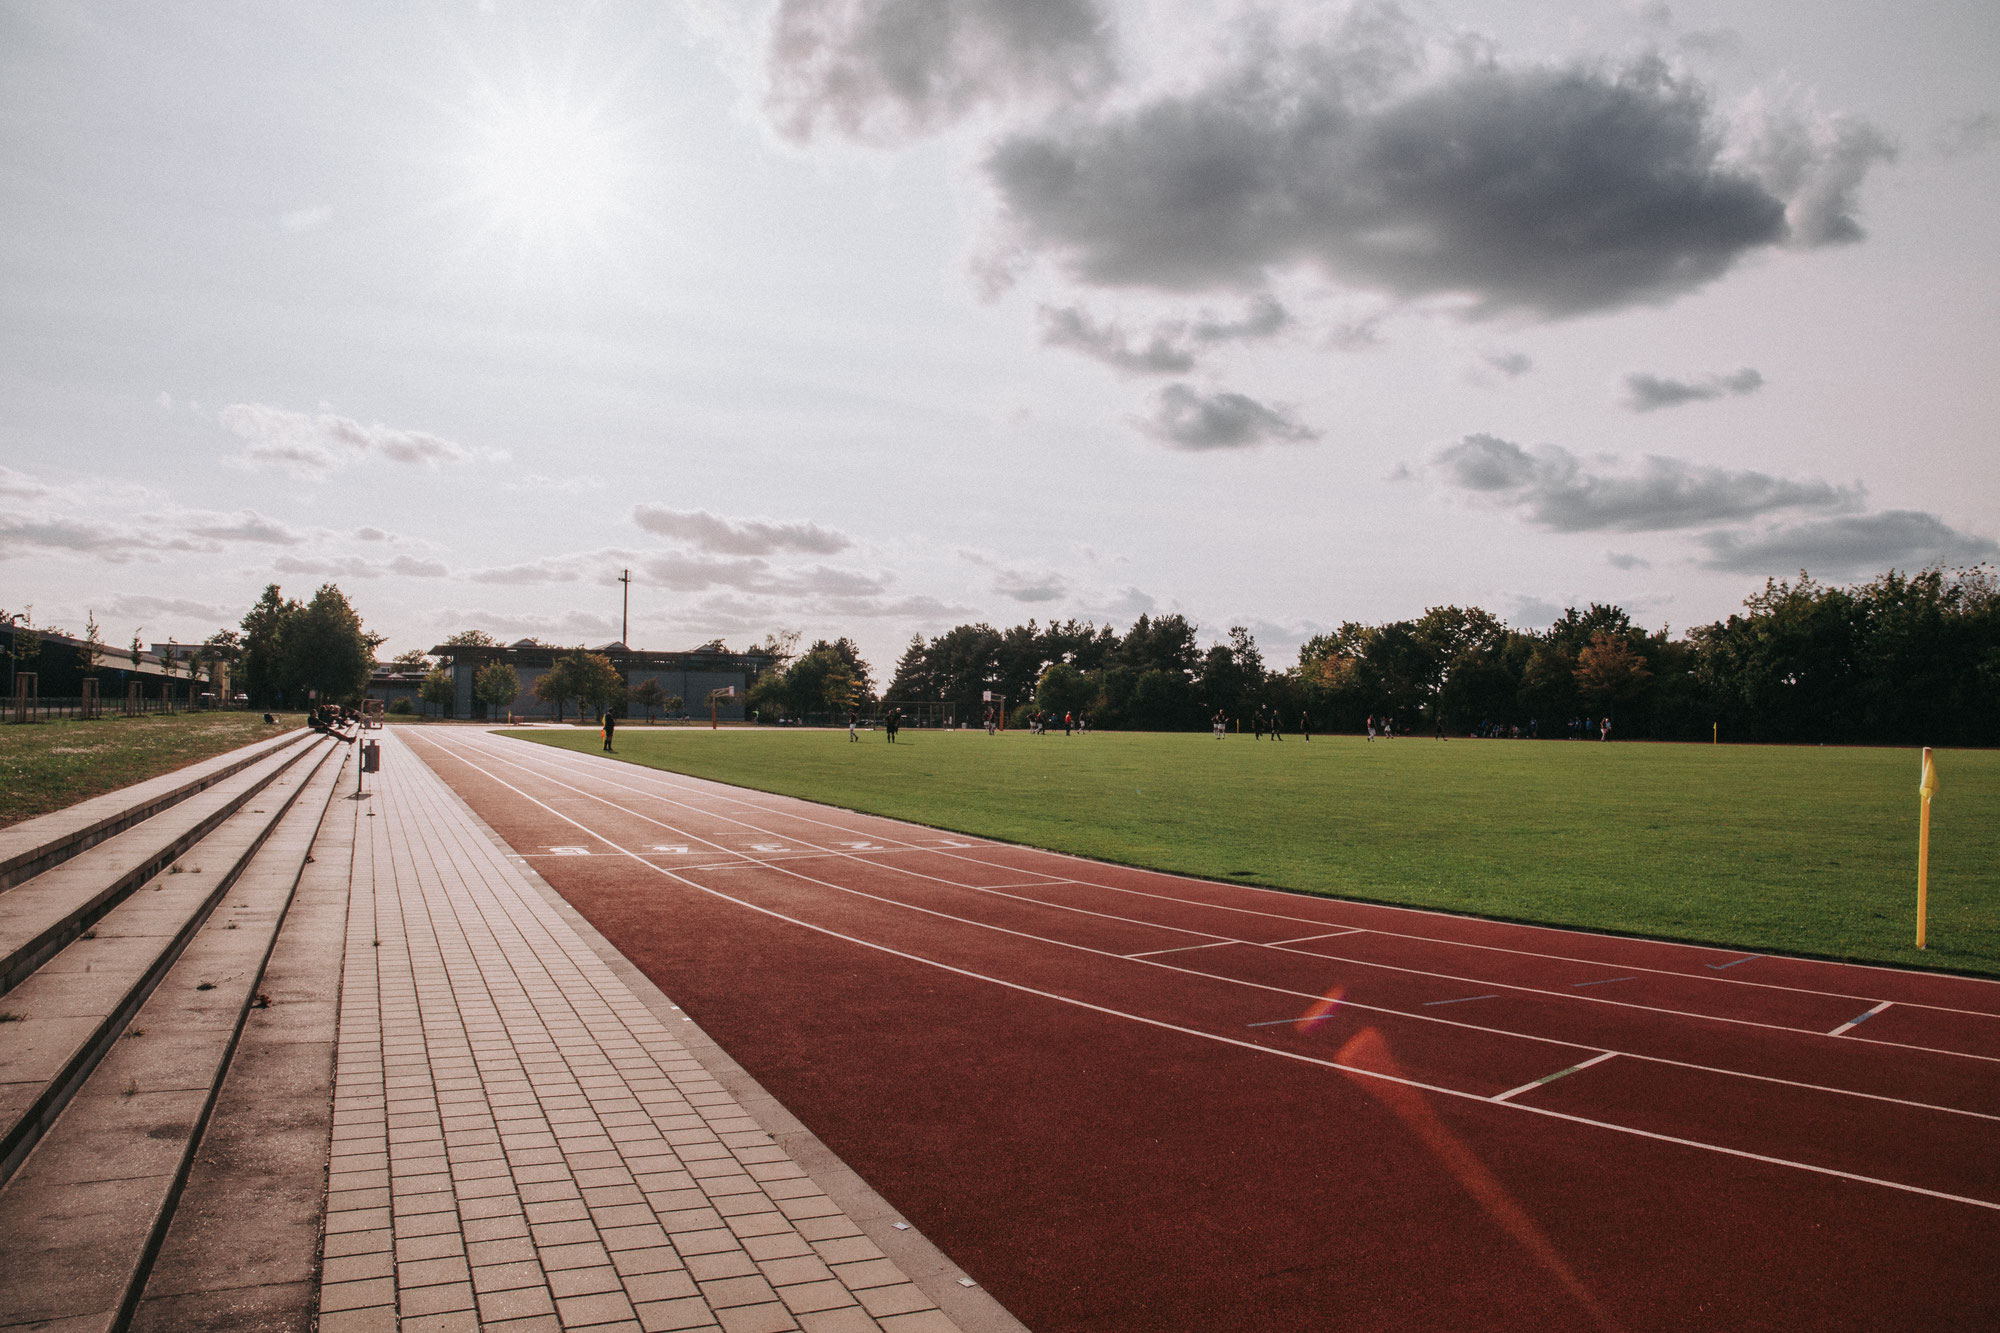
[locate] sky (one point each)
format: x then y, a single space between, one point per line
874 317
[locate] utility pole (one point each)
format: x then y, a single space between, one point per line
625 619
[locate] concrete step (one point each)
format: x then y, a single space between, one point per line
242 1250
40 916
34 845
85 1213
69 1012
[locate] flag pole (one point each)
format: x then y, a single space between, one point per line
1925 787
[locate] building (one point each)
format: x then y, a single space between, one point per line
692 676
168 676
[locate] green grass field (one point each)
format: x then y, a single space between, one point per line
1798 850
49 765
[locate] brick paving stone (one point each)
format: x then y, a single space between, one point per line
519 1143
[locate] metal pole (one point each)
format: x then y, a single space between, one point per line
625 617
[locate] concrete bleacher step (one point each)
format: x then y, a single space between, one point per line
85 1212
40 916
34 845
67 1012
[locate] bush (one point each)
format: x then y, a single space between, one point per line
402 707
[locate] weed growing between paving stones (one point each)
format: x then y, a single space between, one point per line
1765 848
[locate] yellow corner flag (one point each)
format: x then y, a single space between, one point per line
1926 788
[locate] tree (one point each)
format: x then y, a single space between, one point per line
1064 689
471 638
327 650
135 646
497 685
1608 672
600 686
649 696
265 627
415 659
440 689
557 685
92 646
25 649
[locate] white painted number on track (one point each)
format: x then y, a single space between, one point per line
569 851
768 847
668 848
862 846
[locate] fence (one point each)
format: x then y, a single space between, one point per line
48 708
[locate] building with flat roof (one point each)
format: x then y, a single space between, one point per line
691 675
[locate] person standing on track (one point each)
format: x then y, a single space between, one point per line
610 725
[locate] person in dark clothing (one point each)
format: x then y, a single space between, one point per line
893 723
1306 725
610 725
1257 724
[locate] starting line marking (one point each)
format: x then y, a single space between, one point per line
1550 1078
1183 948
1463 999
1860 1018
1605 982
1303 939
1719 967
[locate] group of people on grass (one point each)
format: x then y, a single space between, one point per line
1041 720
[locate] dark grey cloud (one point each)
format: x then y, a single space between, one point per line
1553 191
1511 364
1622 560
1554 490
753 536
1072 327
1849 545
881 71
1190 420
1648 393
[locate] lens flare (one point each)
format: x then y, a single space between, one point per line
1367 1050
1319 1010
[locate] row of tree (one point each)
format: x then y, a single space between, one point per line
1899 659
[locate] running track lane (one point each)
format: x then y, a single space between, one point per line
1119 1143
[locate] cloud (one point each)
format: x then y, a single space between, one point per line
554 570
883 71
1549 190
1620 560
1263 318
537 483
1188 420
696 573
1511 364
140 606
315 447
69 522
1971 133
1552 488
1046 586
752 536
1848 545
1073 328
1816 163
20 486
1650 392
357 567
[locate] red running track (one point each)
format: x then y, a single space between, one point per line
1132 1101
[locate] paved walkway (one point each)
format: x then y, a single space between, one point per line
520 1143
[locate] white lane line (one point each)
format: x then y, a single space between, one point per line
1182 930
1238 981
1858 1020
1550 1078
684 784
1305 939
1154 953
1238 1042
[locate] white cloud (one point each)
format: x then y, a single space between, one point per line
316 446
751 536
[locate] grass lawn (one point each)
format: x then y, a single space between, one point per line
48 765
1783 849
